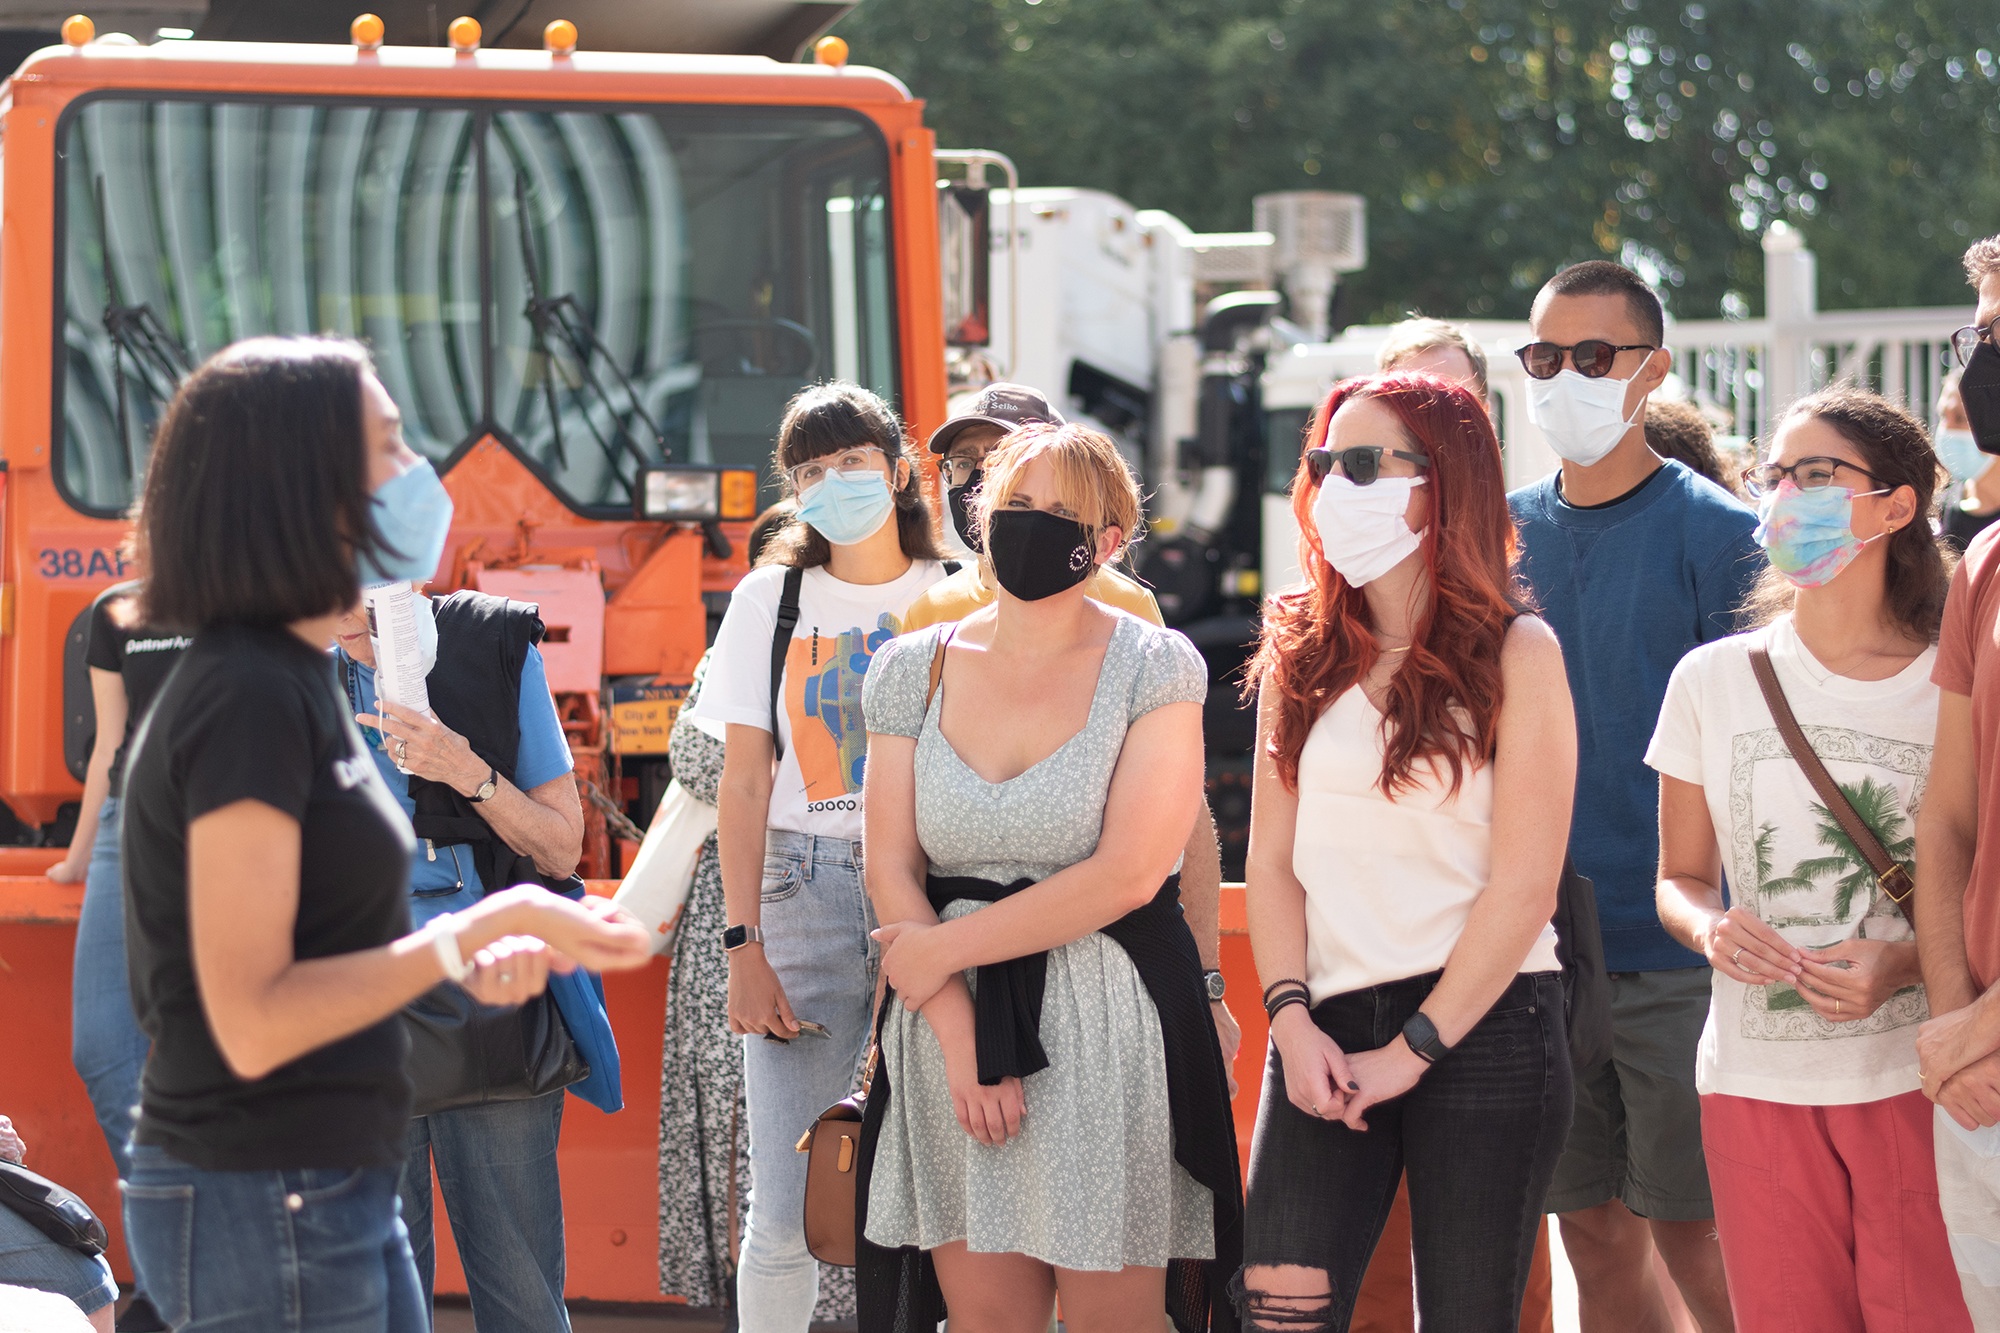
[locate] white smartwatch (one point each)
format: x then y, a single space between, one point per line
444 943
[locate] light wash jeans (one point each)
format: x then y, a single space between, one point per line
816 920
496 1165
308 1251
1968 1175
106 1045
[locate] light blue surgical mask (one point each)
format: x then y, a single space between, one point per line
1960 454
848 507
412 511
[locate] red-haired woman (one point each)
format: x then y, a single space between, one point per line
1416 755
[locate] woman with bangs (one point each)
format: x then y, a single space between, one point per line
1051 1112
783 695
1416 755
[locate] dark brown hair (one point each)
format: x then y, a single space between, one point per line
825 419
256 494
1896 449
1679 431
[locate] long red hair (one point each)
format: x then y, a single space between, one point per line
1316 641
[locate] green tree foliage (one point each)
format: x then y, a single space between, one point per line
1497 140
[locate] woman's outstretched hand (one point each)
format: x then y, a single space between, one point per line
592 932
913 961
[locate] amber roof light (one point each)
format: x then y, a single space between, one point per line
78 30
560 37
464 34
366 30
830 51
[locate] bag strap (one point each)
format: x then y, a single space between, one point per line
781 646
937 666
1890 874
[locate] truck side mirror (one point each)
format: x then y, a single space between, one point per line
965 232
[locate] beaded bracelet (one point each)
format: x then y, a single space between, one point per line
1280 982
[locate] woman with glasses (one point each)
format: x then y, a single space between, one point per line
1817 1132
783 693
1416 752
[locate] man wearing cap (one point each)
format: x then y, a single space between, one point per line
961 445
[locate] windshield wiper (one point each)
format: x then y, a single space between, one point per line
159 361
561 319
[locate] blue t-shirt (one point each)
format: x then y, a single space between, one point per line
445 879
1629 588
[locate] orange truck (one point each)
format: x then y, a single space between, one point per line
590 277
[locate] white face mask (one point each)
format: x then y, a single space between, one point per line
1362 528
1584 418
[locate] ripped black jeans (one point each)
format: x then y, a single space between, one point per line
1478 1138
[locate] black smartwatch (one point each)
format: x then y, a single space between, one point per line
736 937
1214 984
1422 1036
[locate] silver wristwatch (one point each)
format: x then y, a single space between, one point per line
1213 982
487 788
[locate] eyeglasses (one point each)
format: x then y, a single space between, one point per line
1965 341
1808 474
1592 357
1360 464
958 471
859 458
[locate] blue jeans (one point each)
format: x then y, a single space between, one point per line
106 1045
816 919
497 1167
307 1251
30 1259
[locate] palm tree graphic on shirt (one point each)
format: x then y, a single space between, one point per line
1881 809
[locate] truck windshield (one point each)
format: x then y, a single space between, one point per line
600 289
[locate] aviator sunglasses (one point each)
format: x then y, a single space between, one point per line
1592 357
1360 464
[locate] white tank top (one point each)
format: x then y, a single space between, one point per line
1388 883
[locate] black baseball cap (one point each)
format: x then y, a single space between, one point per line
1008 406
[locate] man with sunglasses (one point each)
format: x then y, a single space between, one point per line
1958 854
1634 561
961 445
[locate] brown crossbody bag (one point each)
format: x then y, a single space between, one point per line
1891 874
833 1142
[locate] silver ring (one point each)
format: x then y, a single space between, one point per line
1737 957
402 751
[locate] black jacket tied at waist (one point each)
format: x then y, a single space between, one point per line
898 1290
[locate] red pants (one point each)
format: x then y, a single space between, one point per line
1829 1216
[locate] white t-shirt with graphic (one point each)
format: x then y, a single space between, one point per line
817 788
1785 856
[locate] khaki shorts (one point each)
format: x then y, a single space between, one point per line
1637 1132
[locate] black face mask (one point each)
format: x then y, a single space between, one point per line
1979 390
1037 554
958 502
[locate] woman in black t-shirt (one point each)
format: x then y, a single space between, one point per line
266 864
127 663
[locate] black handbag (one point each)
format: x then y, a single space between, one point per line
52 1210
1586 985
463 1053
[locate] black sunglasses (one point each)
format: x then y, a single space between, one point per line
1360 464
1808 474
1965 341
1592 357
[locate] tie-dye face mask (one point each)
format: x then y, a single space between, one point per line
1809 535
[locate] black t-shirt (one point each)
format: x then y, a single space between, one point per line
256 714
143 657
1962 525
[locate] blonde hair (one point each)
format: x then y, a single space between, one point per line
1982 260
1091 476
1420 334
